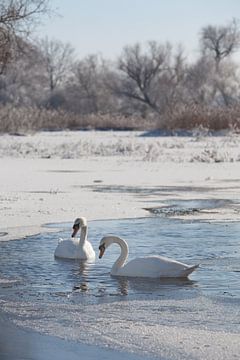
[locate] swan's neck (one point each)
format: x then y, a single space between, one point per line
83 235
123 255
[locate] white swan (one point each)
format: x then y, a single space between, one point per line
151 266
75 248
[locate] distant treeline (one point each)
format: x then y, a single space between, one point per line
150 86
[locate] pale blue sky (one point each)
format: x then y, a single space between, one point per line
106 26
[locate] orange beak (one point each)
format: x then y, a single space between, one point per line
101 251
75 230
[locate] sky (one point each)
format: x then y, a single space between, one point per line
106 26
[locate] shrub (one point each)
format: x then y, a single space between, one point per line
212 118
28 119
187 117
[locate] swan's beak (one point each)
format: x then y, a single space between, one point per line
75 230
101 251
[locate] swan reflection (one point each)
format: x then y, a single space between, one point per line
122 284
82 273
82 287
126 285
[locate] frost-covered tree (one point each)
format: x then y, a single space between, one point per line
220 41
17 18
57 60
87 91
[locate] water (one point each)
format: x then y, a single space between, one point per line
80 300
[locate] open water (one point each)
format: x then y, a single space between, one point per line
80 301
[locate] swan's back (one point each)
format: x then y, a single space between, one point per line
67 248
154 267
70 249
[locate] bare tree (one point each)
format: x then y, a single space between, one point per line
17 18
87 80
141 71
227 85
23 82
87 91
221 41
172 84
57 59
154 77
199 85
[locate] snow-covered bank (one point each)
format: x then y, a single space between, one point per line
53 177
135 145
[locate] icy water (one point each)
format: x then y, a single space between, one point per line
80 301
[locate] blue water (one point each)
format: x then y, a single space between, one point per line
214 245
53 291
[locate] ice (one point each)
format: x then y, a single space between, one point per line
166 328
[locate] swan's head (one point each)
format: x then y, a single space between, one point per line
102 248
104 243
79 222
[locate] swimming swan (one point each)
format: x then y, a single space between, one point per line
76 248
151 266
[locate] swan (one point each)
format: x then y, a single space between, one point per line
151 266
75 248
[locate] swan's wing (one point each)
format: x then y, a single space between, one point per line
67 248
141 267
155 266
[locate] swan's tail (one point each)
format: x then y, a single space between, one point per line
189 270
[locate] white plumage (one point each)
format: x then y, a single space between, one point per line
150 266
76 248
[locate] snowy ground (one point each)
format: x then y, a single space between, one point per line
50 177
131 145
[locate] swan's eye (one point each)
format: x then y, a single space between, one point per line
102 247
